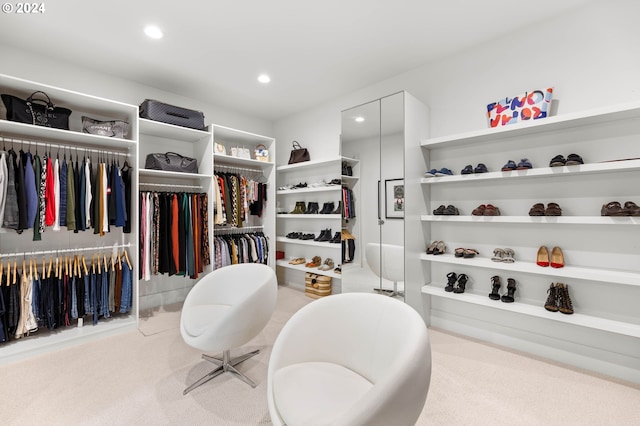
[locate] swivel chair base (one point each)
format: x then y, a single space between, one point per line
225 365
390 293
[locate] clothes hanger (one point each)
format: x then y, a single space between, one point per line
8 272
126 257
15 270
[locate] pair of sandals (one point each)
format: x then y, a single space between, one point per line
314 263
486 210
450 210
436 247
524 164
465 252
468 169
442 172
456 283
571 160
505 255
297 261
615 209
538 209
327 265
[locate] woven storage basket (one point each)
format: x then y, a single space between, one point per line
317 286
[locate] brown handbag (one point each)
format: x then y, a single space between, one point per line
298 154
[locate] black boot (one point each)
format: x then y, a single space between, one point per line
327 236
327 208
337 238
495 286
338 209
312 208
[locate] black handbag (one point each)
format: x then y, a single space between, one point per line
171 162
39 112
298 154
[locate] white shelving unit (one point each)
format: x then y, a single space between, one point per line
162 289
256 169
74 142
312 172
601 257
352 225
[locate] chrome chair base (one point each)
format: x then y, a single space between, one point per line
225 365
390 293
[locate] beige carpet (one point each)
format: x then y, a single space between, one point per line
135 378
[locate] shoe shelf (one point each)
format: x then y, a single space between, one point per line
590 168
308 190
307 164
308 242
576 272
588 321
349 180
308 216
285 264
549 124
561 220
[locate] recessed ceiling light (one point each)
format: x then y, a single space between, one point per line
359 119
264 79
153 31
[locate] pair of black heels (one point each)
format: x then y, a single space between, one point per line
456 283
508 297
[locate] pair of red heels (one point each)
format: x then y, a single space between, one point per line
555 259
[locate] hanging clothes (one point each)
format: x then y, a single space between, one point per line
173 234
249 247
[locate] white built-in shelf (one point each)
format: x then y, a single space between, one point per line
29 131
349 179
561 220
307 242
307 164
590 168
549 124
171 175
229 160
308 190
230 137
285 264
171 131
624 328
351 161
308 216
576 272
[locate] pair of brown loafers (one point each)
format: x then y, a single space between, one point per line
486 210
615 209
538 209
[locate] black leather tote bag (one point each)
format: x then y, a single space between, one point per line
171 162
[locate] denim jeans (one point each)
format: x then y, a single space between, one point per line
127 289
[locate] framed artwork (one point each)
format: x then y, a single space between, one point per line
394 198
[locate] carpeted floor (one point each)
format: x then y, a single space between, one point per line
138 378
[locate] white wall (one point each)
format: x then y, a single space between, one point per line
86 80
589 57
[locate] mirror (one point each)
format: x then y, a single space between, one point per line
372 147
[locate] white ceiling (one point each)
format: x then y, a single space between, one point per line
314 51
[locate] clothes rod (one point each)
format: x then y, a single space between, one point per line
239 230
69 148
74 250
243 169
169 185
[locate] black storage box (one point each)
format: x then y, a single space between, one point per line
170 114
